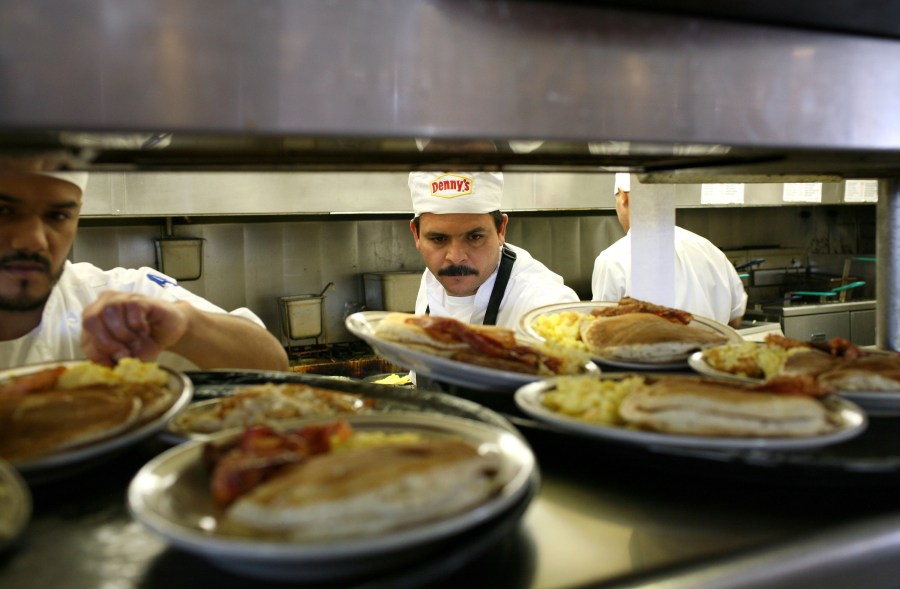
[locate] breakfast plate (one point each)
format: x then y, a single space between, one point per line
15 504
261 404
849 420
874 403
70 459
526 327
462 374
171 496
699 364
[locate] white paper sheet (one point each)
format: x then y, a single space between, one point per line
802 192
653 243
861 191
721 194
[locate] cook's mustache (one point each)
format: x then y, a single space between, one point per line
26 257
455 270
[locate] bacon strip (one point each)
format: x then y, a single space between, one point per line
630 305
36 381
498 344
800 384
838 347
261 453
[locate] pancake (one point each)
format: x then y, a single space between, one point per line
265 404
481 345
808 361
874 372
707 408
45 422
370 490
155 400
646 338
402 328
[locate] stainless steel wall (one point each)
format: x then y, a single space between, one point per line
250 261
266 193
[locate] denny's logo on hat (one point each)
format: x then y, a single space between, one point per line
451 186
455 192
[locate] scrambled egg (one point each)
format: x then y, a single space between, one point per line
128 370
591 399
563 328
394 379
750 359
375 438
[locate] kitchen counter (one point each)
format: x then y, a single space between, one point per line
852 320
606 514
814 309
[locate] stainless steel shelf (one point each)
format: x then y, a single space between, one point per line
154 84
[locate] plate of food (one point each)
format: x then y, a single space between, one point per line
477 357
628 334
59 415
694 412
869 378
15 504
326 499
262 404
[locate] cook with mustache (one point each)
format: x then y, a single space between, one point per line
472 273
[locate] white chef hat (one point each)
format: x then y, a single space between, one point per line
79 179
455 192
623 183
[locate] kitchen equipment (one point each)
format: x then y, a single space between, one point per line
303 316
853 320
845 275
838 293
750 264
392 291
180 257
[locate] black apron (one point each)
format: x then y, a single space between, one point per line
507 259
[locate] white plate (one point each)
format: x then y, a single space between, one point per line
59 463
470 376
851 419
15 504
874 403
526 323
177 435
170 495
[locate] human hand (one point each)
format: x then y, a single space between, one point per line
119 325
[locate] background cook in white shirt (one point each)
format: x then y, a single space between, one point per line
51 309
472 273
706 283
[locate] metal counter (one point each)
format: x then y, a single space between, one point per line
852 320
606 514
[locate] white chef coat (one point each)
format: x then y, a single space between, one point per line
706 283
531 284
58 336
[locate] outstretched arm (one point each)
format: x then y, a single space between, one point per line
120 324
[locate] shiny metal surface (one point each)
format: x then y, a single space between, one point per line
615 520
606 514
817 309
110 194
887 331
158 83
850 556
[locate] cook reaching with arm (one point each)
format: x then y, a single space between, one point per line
122 324
52 309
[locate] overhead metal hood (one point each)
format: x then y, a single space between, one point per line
680 91
292 85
